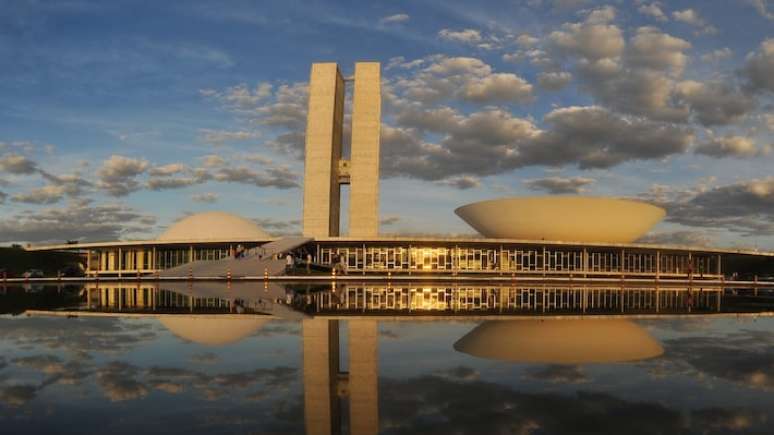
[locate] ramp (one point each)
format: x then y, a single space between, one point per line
256 262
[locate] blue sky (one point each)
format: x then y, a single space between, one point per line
116 118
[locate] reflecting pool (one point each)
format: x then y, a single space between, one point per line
374 358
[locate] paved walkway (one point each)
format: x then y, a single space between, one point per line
256 262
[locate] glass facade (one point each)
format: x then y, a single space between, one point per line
441 258
515 299
506 259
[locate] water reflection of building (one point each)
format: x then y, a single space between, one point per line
560 341
516 299
325 385
172 297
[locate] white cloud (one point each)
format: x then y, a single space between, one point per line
396 18
731 146
559 185
601 15
219 137
691 17
499 87
17 164
526 40
762 7
592 41
79 220
464 78
463 182
43 195
651 48
466 36
653 10
205 197
167 170
717 55
554 81
759 67
714 103
117 176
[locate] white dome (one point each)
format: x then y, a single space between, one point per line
214 225
562 218
211 331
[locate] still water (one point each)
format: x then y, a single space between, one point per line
366 359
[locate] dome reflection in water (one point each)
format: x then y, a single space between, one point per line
557 341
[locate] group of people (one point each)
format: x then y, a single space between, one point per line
290 262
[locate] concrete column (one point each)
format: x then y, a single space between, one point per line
364 171
321 367
323 151
363 377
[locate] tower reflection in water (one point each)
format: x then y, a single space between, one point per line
544 340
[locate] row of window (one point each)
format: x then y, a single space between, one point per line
494 298
358 258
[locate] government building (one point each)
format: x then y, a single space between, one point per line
544 236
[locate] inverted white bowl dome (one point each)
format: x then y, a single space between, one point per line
562 218
213 225
554 341
211 331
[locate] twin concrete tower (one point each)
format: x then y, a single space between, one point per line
324 168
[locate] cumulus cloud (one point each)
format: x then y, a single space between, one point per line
554 81
494 141
679 237
219 137
642 77
653 49
278 227
79 220
463 182
731 146
526 40
592 41
205 197
172 183
117 176
653 10
717 55
559 185
240 96
594 137
745 207
714 103
498 87
394 19
17 164
118 382
464 78
691 17
466 36
759 67
42 195
280 177
389 220
17 395
762 7
558 374
167 170
443 404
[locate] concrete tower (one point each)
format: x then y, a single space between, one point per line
324 125
324 169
